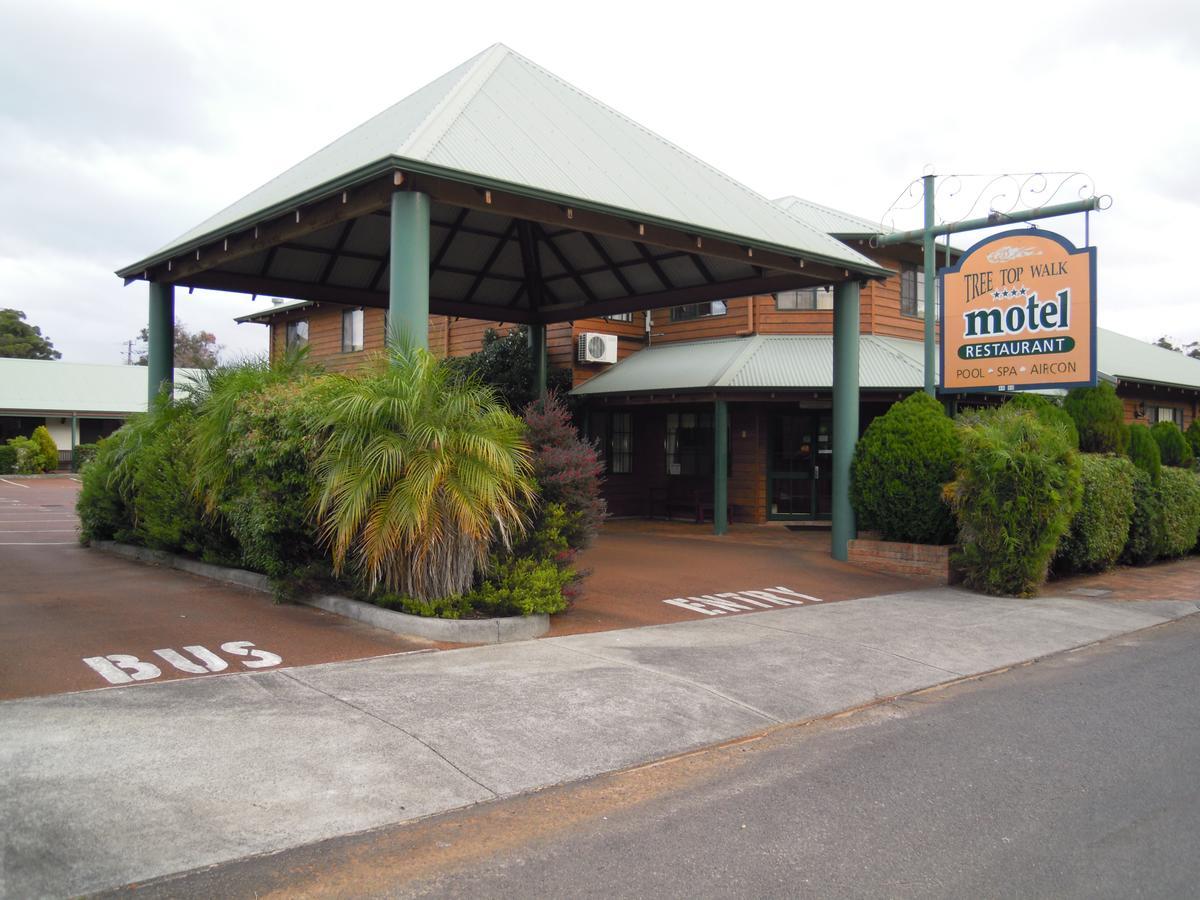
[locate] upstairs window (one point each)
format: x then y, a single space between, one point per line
698 310
352 330
809 298
297 334
912 290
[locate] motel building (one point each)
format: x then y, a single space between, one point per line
728 349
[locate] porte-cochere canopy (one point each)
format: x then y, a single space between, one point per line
545 205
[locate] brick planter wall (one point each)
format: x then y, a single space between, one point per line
895 558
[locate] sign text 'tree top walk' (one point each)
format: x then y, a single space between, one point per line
1019 312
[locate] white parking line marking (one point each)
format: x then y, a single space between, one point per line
37 531
38 543
14 484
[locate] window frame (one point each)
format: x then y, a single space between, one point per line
291 338
619 461
914 274
359 314
689 312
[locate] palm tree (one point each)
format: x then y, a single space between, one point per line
418 474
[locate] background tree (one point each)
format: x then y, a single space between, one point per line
193 350
21 341
1192 349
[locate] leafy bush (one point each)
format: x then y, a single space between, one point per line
1180 490
444 608
103 503
1144 452
1016 489
567 469
49 449
8 459
1193 437
522 585
1099 417
900 466
1146 525
1100 529
84 454
1172 445
1048 411
418 474
29 458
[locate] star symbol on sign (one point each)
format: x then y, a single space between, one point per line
996 294
1022 292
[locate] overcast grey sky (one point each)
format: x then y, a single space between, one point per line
124 123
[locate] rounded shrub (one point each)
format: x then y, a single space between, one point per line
1193 437
1144 452
900 466
1172 445
1100 528
1049 412
1146 524
28 457
1180 491
1016 490
103 503
1099 417
8 459
49 449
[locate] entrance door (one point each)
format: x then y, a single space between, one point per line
799 465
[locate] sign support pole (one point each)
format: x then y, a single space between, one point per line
930 253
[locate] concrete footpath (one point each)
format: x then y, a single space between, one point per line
105 788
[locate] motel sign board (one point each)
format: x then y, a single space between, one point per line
1018 312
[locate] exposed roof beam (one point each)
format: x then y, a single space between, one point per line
338 249
604 255
653 264
566 264
454 230
531 266
490 261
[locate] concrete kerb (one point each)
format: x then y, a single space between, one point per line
459 631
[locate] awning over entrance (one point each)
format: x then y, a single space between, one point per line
764 362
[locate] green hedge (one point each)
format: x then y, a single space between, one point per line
1180 490
1016 490
1100 529
1049 412
1193 437
1099 416
1172 445
84 454
900 466
1144 452
1145 540
29 457
8 459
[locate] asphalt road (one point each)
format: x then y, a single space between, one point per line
1075 776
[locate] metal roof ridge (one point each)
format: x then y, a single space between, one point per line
821 207
739 360
433 129
673 146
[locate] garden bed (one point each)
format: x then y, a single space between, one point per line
459 631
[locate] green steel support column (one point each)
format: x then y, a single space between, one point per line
74 439
845 411
537 346
720 467
408 268
930 274
161 350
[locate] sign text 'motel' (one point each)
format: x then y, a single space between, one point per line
1019 312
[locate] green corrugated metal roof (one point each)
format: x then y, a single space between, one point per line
1126 358
828 219
264 315
774 361
503 121
33 386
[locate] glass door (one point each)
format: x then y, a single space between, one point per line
799 459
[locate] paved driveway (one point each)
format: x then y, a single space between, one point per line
74 619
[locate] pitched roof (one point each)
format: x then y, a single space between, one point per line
36 386
264 315
499 120
764 361
797 362
1128 359
828 219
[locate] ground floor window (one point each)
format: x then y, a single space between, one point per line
352 330
297 334
689 444
620 443
1165 414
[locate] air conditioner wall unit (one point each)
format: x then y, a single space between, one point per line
595 347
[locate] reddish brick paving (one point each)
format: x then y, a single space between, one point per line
61 603
1174 580
636 565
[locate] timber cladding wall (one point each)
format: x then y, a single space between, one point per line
1140 400
325 336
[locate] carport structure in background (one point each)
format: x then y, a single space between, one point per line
500 192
